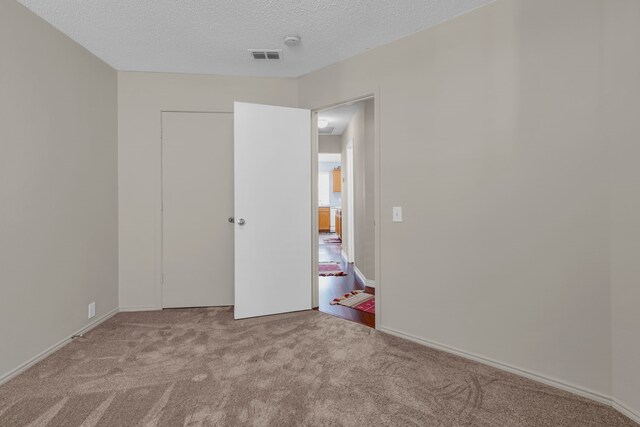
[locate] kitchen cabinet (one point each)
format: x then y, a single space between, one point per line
339 222
324 219
337 180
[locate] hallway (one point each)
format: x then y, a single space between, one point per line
336 286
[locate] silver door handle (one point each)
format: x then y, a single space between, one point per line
241 221
231 219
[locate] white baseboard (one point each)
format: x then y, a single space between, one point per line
344 256
29 363
571 388
625 410
359 275
362 279
140 308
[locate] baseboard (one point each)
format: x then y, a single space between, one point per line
580 391
625 410
359 276
140 308
344 256
29 363
571 388
363 280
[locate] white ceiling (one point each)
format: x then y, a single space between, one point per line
212 37
338 118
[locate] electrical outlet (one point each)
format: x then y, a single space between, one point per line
92 310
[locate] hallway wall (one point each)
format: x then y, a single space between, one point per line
329 143
361 130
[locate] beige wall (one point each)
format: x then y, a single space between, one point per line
622 108
361 130
58 186
141 98
329 144
489 140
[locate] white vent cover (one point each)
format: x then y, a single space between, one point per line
266 54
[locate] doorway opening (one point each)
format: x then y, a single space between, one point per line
346 252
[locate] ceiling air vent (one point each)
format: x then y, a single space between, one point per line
266 54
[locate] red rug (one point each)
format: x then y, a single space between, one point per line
330 269
359 300
368 306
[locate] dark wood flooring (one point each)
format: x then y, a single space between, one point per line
335 286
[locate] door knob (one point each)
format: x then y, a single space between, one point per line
231 219
241 221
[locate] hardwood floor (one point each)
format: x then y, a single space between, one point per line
335 286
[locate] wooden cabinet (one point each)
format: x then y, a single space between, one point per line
339 222
337 180
324 219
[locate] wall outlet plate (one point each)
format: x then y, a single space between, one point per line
397 214
92 310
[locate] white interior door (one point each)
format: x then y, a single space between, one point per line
272 158
197 199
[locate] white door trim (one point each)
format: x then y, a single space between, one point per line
351 232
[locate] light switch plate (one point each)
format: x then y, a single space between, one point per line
397 214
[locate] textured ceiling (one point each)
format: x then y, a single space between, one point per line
338 118
212 37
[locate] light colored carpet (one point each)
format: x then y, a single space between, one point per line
196 367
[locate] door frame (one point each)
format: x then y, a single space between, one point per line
350 254
160 208
375 95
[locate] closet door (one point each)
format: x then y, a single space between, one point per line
197 200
